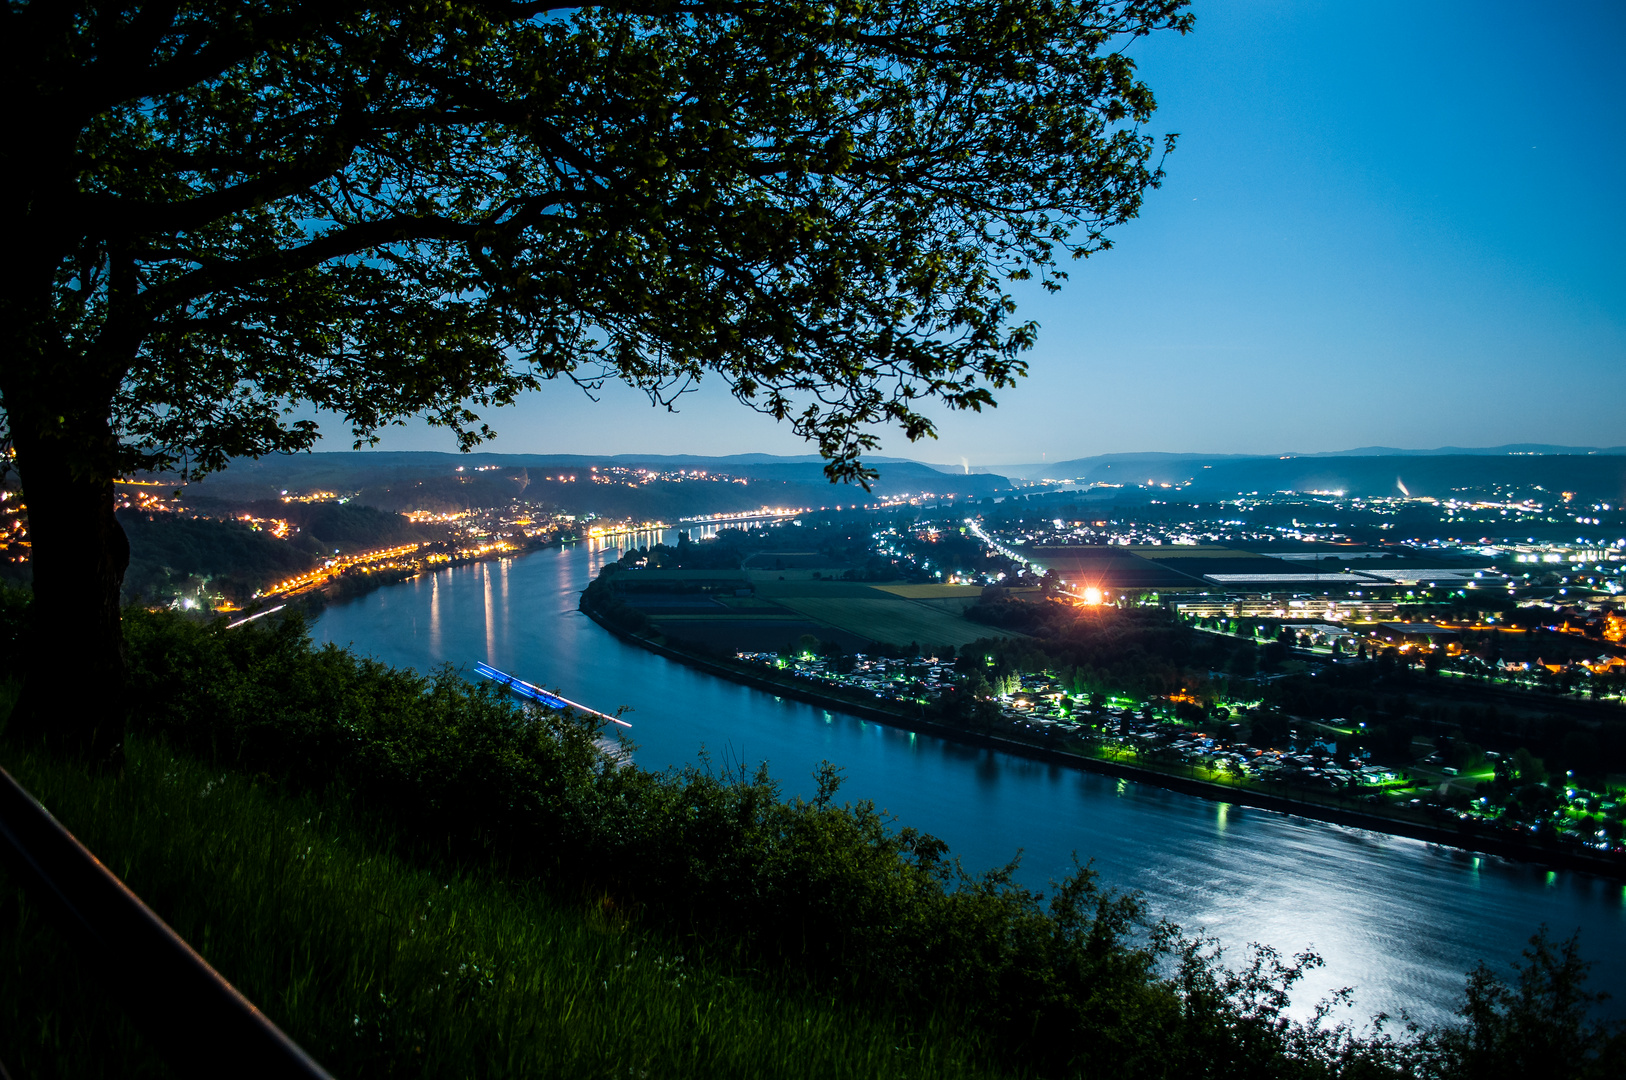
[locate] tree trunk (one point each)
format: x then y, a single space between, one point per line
73 695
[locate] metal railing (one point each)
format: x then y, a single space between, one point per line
197 1020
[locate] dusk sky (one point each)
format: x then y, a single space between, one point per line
1395 224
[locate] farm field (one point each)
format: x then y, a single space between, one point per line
951 598
893 620
1112 568
1163 552
933 592
854 614
744 604
770 589
764 614
755 635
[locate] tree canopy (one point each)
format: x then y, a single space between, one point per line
427 208
228 213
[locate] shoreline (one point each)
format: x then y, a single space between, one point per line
1444 835
342 589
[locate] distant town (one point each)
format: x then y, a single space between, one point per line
1453 662
1454 659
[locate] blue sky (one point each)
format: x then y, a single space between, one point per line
1386 223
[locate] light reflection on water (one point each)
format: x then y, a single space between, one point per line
1400 920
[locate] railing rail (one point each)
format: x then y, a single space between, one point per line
197 1020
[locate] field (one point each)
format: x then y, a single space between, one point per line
951 598
895 621
756 635
970 593
1161 552
1111 568
783 607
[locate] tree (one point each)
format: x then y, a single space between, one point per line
1538 1026
226 211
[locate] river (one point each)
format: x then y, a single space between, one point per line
1400 920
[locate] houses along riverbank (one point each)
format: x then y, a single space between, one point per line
1045 743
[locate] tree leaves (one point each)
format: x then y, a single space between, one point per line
399 208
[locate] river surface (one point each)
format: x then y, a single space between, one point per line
1400 920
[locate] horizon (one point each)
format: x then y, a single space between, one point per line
1505 449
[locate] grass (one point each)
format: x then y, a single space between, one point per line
895 621
970 593
893 614
770 589
954 599
382 965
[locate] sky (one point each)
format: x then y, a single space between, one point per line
1393 224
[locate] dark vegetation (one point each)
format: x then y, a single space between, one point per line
952 550
1140 651
387 964
1571 734
348 526
812 897
170 553
451 482
173 553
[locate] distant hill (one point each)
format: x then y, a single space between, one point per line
1588 476
1085 466
391 478
1460 451
1079 468
1590 472
398 480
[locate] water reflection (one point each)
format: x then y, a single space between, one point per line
434 615
491 615
502 569
1398 919
613 544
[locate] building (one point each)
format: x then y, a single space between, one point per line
1257 606
1425 634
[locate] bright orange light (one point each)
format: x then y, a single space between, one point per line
1092 596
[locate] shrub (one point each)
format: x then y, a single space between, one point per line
832 892
831 897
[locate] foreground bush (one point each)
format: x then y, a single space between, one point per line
828 892
825 897
383 968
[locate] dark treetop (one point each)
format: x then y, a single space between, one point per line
222 211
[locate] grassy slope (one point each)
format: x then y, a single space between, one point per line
382 967
383 961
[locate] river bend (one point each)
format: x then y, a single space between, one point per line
1398 919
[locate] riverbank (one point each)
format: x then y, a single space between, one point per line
352 585
1300 803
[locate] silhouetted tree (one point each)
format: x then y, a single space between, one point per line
222 212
